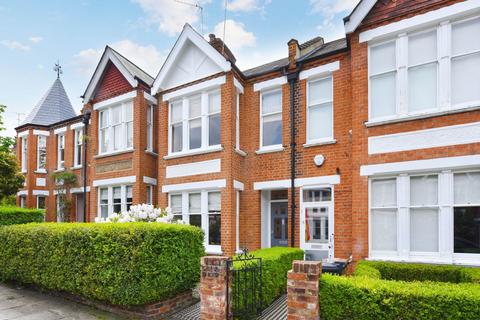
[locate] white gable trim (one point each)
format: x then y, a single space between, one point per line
108 182
358 14
268 84
320 70
422 20
150 98
188 34
211 184
118 99
97 76
205 85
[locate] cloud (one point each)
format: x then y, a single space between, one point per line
14 45
170 15
332 6
242 5
146 57
236 36
35 39
331 12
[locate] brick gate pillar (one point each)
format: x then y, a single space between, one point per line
213 288
303 290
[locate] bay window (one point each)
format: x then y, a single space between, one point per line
24 154
60 151
114 199
271 119
41 153
194 122
424 72
116 128
320 110
77 151
41 202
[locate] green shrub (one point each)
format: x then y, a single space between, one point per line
14 215
276 262
120 263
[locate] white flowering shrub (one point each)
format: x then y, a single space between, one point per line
140 213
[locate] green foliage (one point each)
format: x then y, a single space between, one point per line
13 215
10 200
416 291
6 143
119 263
11 180
64 181
276 262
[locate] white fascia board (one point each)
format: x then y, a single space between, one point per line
193 168
151 181
150 98
268 84
211 184
320 180
60 130
23 133
448 163
188 34
118 99
113 181
41 133
453 11
79 190
40 192
273 184
320 70
205 85
237 185
22 193
97 76
359 13
76 125
238 85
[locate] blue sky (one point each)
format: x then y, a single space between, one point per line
34 34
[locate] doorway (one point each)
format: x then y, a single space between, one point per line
79 207
279 218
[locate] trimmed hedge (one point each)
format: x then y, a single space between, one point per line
370 295
276 262
14 215
120 263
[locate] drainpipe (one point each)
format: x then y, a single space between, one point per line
85 120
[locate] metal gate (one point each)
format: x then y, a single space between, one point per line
245 274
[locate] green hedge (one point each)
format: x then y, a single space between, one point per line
120 263
276 262
14 215
431 292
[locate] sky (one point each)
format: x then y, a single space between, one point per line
35 34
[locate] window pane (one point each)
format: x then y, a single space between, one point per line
384 230
195 133
104 119
194 203
214 231
130 134
382 94
214 130
272 130
465 79
117 137
320 121
424 230
384 193
177 136
149 114
214 102
214 202
104 139
271 102
176 203
316 195
422 48
149 195
316 225
195 107
129 199
129 111
467 188
466 221
195 220
117 199
104 194
320 91
422 87
465 36
177 111
41 202
424 190
116 115
42 152
382 58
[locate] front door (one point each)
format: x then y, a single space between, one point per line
279 225
79 207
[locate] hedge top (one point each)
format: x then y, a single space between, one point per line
14 215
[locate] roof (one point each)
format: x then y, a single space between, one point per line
327 48
265 68
133 68
54 107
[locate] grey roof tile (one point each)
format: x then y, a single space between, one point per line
327 48
54 107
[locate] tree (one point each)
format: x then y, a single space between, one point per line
6 143
10 177
64 181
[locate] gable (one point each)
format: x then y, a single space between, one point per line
112 83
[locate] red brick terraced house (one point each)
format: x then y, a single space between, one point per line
366 146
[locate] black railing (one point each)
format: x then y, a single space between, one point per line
245 274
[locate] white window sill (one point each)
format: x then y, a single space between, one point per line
373 123
241 152
270 150
216 250
108 154
193 152
150 152
319 143
59 170
40 171
76 167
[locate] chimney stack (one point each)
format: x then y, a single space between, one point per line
218 44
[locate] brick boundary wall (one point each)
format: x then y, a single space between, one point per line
213 288
303 289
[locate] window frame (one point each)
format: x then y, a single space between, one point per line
150 128
273 146
23 201
77 147
149 198
61 151
24 141
45 199
108 130
321 104
40 169
110 203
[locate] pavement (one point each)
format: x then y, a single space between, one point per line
25 304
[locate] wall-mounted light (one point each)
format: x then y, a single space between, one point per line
319 159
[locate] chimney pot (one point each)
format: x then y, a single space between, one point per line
212 37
